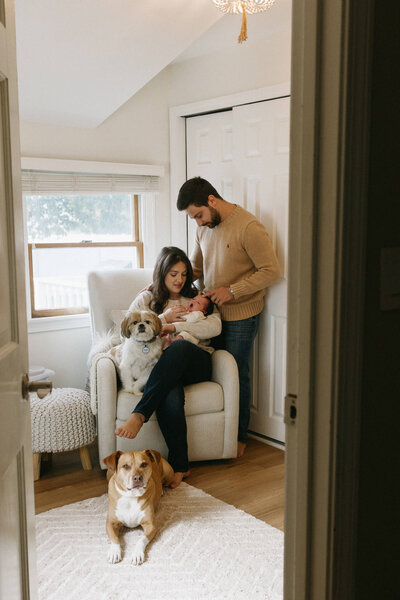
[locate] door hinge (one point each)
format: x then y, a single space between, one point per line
290 409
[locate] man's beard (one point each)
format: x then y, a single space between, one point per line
215 218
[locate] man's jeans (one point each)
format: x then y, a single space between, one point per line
182 363
237 337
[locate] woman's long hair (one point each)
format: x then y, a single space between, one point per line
167 258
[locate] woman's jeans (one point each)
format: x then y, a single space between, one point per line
237 337
182 363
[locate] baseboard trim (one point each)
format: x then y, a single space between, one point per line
267 440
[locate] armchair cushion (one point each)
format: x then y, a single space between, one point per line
117 316
200 398
111 291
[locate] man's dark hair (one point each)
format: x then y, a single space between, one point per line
195 191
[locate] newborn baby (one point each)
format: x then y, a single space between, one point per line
198 308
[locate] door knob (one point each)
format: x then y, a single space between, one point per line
42 388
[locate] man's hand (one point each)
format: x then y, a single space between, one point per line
220 295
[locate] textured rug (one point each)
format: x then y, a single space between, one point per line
204 549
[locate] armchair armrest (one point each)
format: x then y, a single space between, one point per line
106 389
225 372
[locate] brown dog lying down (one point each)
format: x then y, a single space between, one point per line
134 491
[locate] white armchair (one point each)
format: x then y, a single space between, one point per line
211 407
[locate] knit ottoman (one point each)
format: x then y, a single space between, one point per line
61 421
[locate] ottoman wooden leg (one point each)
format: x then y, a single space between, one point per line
85 458
36 466
47 457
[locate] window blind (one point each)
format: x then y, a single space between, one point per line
50 182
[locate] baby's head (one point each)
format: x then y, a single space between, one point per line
201 303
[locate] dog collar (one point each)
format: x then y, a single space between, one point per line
145 348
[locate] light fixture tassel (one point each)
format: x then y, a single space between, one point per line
246 7
243 32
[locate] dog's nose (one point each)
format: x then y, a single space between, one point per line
137 482
141 327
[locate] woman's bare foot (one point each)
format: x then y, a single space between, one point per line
131 427
241 447
178 478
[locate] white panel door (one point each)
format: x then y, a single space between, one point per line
261 167
209 142
16 480
244 153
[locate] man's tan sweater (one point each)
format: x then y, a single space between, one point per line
237 253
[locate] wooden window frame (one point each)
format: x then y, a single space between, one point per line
78 310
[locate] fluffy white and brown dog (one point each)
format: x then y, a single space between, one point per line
140 350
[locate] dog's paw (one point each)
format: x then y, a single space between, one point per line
137 556
137 388
129 389
114 553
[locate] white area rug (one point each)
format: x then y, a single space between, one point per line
204 549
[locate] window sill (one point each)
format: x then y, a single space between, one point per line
58 323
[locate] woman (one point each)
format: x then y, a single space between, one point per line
181 364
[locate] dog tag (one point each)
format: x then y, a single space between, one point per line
145 349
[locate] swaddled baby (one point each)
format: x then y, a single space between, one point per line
198 308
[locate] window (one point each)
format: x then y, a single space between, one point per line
82 216
72 234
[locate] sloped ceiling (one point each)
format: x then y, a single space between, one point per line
80 60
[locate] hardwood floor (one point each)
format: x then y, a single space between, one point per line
253 483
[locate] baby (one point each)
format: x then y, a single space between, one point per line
198 308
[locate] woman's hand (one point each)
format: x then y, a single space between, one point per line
167 329
172 340
174 313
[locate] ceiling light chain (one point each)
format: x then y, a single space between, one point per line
243 6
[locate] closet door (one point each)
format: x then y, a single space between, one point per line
209 153
244 153
261 167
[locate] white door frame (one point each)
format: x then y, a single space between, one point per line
331 51
177 128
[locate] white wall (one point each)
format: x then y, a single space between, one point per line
64 351
138 133
243 67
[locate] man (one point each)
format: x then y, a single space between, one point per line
234 255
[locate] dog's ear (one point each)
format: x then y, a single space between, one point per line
125 325
154 455
111 461
157 324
